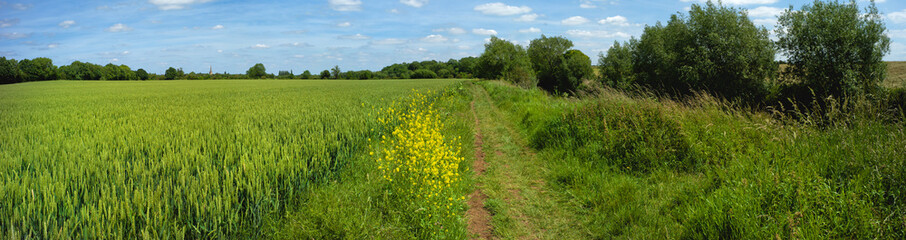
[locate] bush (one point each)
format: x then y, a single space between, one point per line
504 59
616 66
715 49
423 73
834 49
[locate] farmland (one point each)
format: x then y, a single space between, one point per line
181 158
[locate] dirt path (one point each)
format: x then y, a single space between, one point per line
479 224
511 184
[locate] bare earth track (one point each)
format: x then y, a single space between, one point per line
479 217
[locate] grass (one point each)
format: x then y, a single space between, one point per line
896 75
199 159
639 167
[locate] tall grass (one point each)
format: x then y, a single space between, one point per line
701 169
214 159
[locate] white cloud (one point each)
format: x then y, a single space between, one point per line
19 6
414 3
900 34
8 22
67 23
596 34
615 20
587 4
435 38
767 22
897 17
452 30
261 46
53 45
765 12
345 5
527 17
357 36
115 60
295 44
574 20
389 41
220 50
13 35
482 31
530 30
394 11
501 9
344 24
738 2
124 52
217 27
175 4
119 27
299 56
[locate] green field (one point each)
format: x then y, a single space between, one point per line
166 159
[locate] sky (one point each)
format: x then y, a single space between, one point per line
231 36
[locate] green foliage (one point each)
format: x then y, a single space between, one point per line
141 74
325 74
547 55
9 71
81 71
715 49
504 59
577 66
256 72
335 72
834 49
285 75
173 73
38 69
114 72
616 66
423 73
194 159
445 73
305 75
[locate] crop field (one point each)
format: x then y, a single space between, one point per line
179 159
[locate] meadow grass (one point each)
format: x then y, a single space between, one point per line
195 159
640 167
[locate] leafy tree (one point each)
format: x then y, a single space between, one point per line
335 71
256 72
833 48
37 69
325 74
423 73
141 74
444 73
715 48
504 59
547 56
285 75
9 70
616 66
171 74
121 72
305 75
577 66
80 71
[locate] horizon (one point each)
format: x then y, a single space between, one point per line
231 36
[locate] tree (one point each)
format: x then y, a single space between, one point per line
9 71
833 48
37 69
578 67
423 73
285 75
715 48
171 74
616 66
305 75
504 59
547 56
256 72
445 73
335 71
141 74
325 74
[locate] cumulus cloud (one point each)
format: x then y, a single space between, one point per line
345 5
435 38
414 3
530 30
119 27
501 9
389 41
615 20
261 46
357 36
738 2
19 6
587 4
217 27
344 24
13 35
897 17
574 20
452 30
596 34
900 34
295 44
482 31
175 4
66 24
527 17
765 12
8 22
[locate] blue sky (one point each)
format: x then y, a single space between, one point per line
232 35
